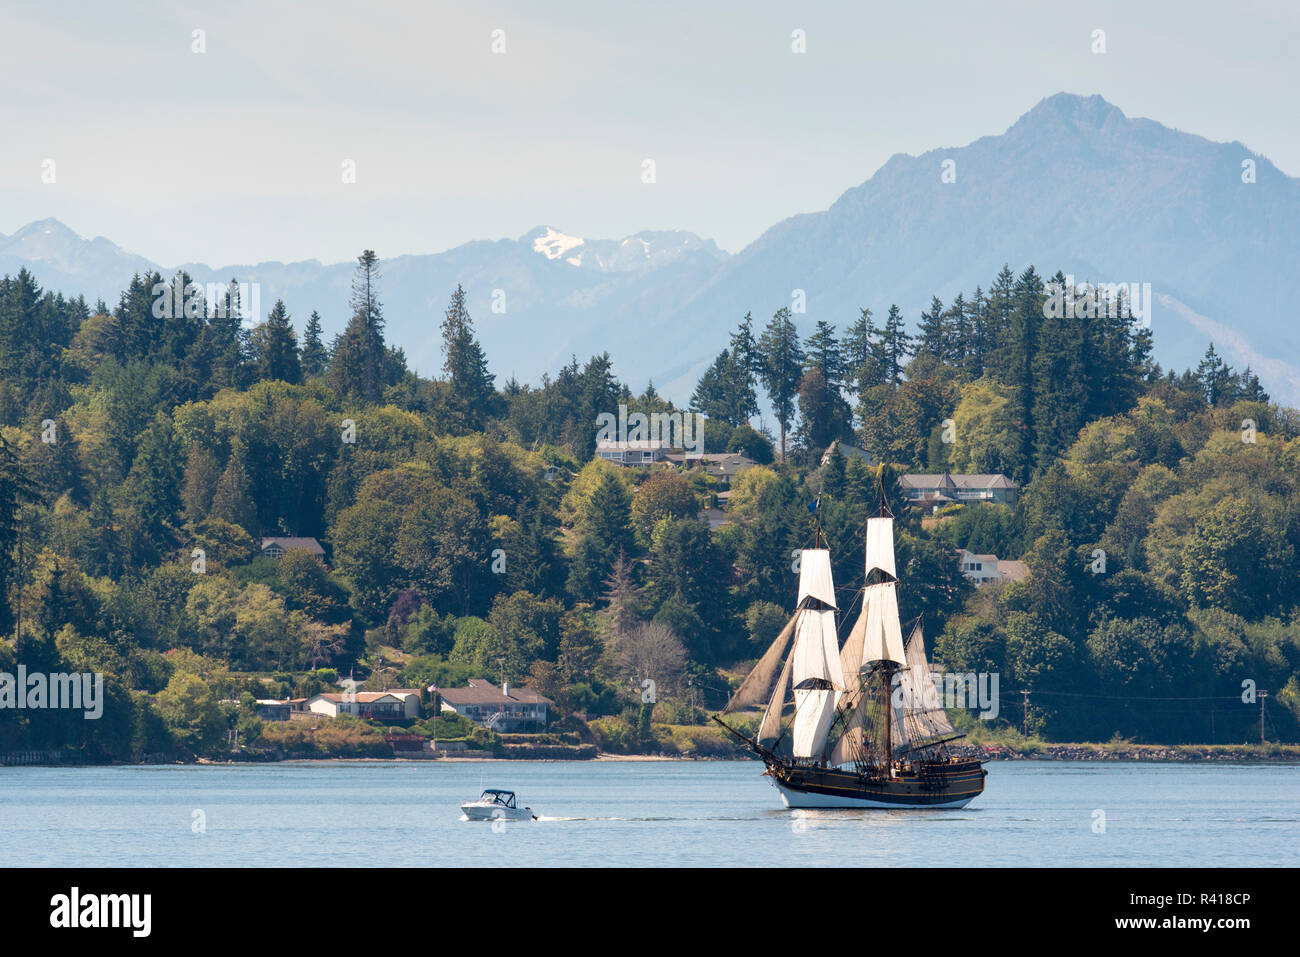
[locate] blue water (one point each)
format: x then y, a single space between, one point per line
656 813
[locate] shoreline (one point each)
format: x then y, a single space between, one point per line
1131 753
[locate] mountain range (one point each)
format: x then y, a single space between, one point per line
1074 184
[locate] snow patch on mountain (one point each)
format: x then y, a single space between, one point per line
553 244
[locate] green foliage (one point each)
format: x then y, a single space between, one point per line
468 529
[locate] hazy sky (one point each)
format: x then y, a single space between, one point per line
234 155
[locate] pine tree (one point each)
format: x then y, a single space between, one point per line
1215 378
1250 389
357 363
978 329
997 325
16 489
604 530
722 393
232 502
745 357
896 346
225 342
155 478
824 354
958 326
1062 372
472 386
933 331
314 357
276 347
782 364
1021 347
862 354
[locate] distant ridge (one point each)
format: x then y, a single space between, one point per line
1073 184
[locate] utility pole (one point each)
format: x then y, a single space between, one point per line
1025 732
18 519
1262 696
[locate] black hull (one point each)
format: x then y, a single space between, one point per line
949 784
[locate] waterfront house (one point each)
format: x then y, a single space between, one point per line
273 709
501 708
379 705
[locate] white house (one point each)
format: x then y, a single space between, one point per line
982 569
390 705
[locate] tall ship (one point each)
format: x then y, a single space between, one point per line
858 725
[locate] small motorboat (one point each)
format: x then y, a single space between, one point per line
496 805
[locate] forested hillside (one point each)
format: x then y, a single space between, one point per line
470 533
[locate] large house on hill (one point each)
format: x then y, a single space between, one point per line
949 488
274 547
500 708
636 452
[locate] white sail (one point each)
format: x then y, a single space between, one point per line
883 639
816 673
919 692
898 737
851 654
757 687
815 576
817 670
848 746
769 728
880 545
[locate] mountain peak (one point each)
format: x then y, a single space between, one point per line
1093 111
46 227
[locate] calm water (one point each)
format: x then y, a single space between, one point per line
636 813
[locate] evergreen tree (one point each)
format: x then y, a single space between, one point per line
863 354
824 413
957 322
824 354
744 349
604 532
1214 377
357 363
748 362
722 393
16 489
276 347
1021 347
997 325
1060 371
224 342
782 365
896 346
472 386
232 502
314 357
155 478
932 334
977 327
